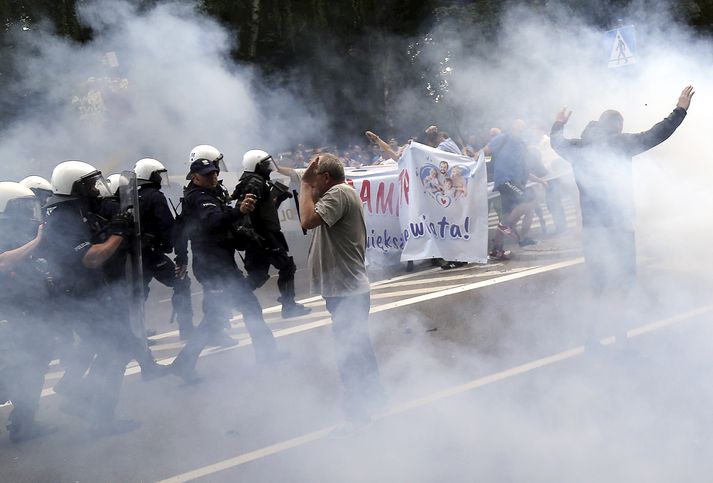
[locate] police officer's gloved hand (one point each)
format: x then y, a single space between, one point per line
236 193
122 224
282 197
181 260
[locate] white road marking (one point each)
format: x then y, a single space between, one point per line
428 399
452 278
245 340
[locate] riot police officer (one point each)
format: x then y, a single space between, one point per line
26 342
157 225
39 186
213 228
273 249
77 247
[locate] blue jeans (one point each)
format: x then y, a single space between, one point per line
356 361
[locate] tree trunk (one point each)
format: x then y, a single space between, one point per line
254 28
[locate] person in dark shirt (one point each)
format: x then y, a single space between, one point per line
510 172
272 249
601 161
212 228
77 246
157 226
26 339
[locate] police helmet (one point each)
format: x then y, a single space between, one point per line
39 186
76 179
18 202
211 153
149 170
257 159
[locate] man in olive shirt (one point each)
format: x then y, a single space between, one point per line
337 271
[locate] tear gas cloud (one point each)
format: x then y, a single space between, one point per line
152 83
544 60
183 91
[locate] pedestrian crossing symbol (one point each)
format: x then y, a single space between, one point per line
621 44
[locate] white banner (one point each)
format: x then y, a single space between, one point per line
443 205
380 191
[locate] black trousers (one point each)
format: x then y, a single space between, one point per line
106 345
162 268
610 258
225 288
257 265
27 345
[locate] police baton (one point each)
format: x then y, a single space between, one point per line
296 195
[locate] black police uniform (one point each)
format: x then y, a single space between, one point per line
210 226
26 338
273 249
93 307
157 225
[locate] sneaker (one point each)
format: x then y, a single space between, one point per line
294 310
451 265
499 255
525 242
508 231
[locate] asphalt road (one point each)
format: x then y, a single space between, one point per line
503 372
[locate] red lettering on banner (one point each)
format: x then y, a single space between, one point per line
385 204
365 194
350 182
403 186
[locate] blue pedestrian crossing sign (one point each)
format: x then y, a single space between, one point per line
621 46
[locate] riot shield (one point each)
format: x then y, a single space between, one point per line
129 202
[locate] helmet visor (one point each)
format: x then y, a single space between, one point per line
267 164
94 184
24 209
164 178
219 163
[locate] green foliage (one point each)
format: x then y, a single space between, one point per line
352 56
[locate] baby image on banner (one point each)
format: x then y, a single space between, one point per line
446 214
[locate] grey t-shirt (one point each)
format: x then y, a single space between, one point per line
336 254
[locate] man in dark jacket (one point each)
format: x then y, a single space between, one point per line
601 161
212 227
273 249
157 241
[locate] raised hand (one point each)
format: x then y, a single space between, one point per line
310 174
563 115
684 100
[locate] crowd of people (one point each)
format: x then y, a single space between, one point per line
69 246
522 166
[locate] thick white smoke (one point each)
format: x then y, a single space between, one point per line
590 424
543 60
152 83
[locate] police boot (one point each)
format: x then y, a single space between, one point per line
28 430
23 427
221 338
290 308
153 370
